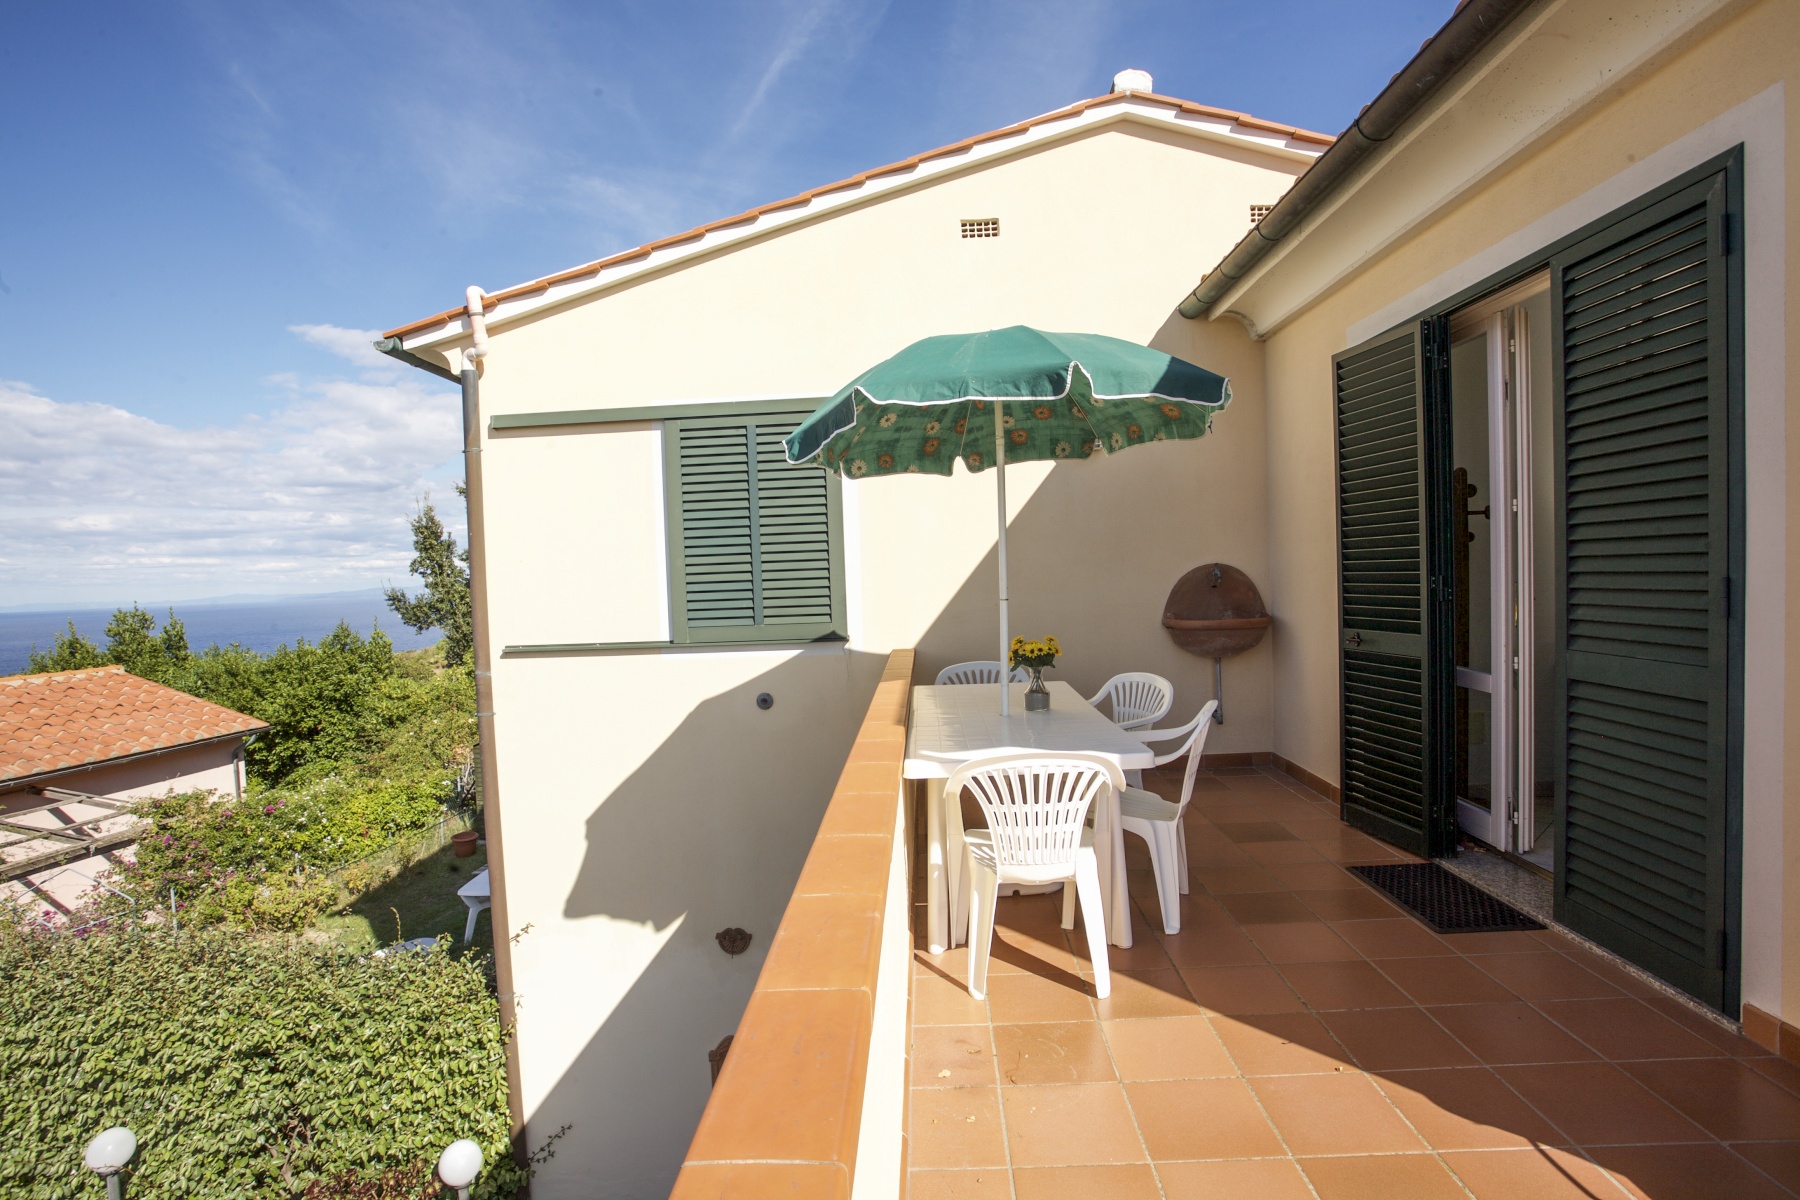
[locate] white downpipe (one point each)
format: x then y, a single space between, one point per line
1000 492
473 301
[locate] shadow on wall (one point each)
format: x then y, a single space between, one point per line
696 838
1102 596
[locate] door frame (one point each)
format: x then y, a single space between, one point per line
1729 164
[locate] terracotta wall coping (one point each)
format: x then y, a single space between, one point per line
785 1114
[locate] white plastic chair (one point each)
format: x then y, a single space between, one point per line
979 672
1159 822
1037 807
1138 698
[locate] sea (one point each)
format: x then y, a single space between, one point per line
256 624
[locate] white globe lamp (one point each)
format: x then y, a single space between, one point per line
458 1166
108 1154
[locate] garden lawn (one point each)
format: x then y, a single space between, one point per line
421 899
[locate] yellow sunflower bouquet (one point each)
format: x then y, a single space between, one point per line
1034 654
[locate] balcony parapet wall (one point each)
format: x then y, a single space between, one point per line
810 1102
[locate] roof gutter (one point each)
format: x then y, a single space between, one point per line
1463 36
395 347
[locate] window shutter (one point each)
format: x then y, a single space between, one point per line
753 541
1643 589
1393 619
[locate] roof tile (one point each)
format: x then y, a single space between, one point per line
82 718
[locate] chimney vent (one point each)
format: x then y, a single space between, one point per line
1133 80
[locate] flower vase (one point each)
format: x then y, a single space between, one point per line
1037 696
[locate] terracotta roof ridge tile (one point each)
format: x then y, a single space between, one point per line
545 282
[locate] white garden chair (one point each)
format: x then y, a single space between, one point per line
979 672
1159 822
1037 807
1138 698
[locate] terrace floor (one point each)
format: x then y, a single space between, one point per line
1301 1037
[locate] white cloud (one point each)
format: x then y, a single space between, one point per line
104 505
352 345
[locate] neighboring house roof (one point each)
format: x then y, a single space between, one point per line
1285 140
67 719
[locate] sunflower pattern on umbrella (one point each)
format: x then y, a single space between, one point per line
900 439
935 402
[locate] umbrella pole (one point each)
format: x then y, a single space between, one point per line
1000 493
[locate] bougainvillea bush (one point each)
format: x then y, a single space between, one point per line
247 1066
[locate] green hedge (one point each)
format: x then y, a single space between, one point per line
246 1066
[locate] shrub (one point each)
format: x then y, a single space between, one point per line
246 1066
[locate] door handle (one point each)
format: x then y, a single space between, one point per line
1353 639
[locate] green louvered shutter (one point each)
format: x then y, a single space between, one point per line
754 547
1644 601
1391 449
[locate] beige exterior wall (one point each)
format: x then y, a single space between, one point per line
647 801
1603 103
213 767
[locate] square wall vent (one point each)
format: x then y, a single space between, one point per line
1258 212
981 227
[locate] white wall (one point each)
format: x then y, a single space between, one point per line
646 801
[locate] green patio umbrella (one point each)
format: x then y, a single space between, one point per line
1056 395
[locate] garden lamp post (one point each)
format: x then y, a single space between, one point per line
458 1166
107 1155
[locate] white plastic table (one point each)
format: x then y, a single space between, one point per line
477 895
957 722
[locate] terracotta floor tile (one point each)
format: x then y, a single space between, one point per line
952 1056
940 1001
1312 942
1224 881
1238 991
1596 1104
1138 995
1345 904
1466 1108
1778 1070
1705 1029
1332 985
1234 1179
1511 942
1779 1160
1536 1173
1613 973
1334 1114
1316 877
1382 1177
1201 1118
1212 947
1726 1098
1167 1048
1255 831
1281 1044
1069 1125
1016 998
1402 938
1444 981
1511 1033
1395 1039
1136 1181
1144 954
1545 976
1013 951
1672 1172
1289 852
1052 1052
1623 1028
1364 851
957 1127
1267 908
954 1185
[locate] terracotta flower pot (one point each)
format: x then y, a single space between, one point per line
464 843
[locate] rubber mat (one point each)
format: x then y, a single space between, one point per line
1445 902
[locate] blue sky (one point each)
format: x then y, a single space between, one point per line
206 205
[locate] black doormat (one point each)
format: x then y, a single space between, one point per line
1443 901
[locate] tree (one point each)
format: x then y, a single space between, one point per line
132 641
445 603
70 652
